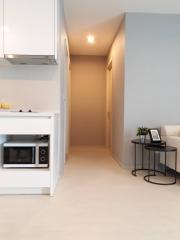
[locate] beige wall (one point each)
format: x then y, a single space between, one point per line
88 100
116 54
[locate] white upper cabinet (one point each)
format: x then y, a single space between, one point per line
1 29
29 27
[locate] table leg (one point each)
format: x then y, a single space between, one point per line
142 156
165 162
154 163
175 166
149 166
135 160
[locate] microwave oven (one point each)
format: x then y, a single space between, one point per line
25 155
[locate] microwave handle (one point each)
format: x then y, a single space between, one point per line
33 156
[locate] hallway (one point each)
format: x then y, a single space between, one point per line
95 200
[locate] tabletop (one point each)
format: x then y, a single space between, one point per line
161 148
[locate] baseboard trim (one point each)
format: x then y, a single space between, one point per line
24 191
121 164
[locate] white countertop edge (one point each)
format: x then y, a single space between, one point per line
26 114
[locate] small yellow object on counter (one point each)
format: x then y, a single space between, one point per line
5 106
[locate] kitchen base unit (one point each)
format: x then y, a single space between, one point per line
30 180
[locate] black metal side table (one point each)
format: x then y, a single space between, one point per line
164 149
146 143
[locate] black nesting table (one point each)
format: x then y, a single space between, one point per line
151 173
136 143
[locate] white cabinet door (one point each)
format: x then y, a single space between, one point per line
29 27
1 29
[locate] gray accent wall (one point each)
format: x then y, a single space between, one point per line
152 74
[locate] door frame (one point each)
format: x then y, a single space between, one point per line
109 80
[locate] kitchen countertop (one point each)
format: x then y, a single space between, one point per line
11 113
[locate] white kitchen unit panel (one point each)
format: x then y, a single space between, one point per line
25 125
1 30
29 27
30 181
24 178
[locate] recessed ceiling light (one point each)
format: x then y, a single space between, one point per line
91 39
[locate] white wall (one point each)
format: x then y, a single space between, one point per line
30 87
88 100
62 88
69 102
35 87
117 56
152 70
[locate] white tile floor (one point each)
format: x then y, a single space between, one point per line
95 200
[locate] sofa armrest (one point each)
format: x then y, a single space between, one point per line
170 130
172 141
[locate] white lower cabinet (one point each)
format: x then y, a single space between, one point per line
25 125
37 180
24 178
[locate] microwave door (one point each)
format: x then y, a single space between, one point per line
19 157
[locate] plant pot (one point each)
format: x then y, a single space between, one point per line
142 138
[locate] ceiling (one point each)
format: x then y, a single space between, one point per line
102 18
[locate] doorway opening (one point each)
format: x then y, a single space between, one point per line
89 102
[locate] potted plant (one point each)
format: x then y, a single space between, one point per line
142 132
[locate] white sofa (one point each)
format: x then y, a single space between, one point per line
171 134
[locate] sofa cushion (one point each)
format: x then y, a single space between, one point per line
171 130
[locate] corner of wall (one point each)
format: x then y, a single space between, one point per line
117 54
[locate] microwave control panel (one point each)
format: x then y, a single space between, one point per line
43 155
